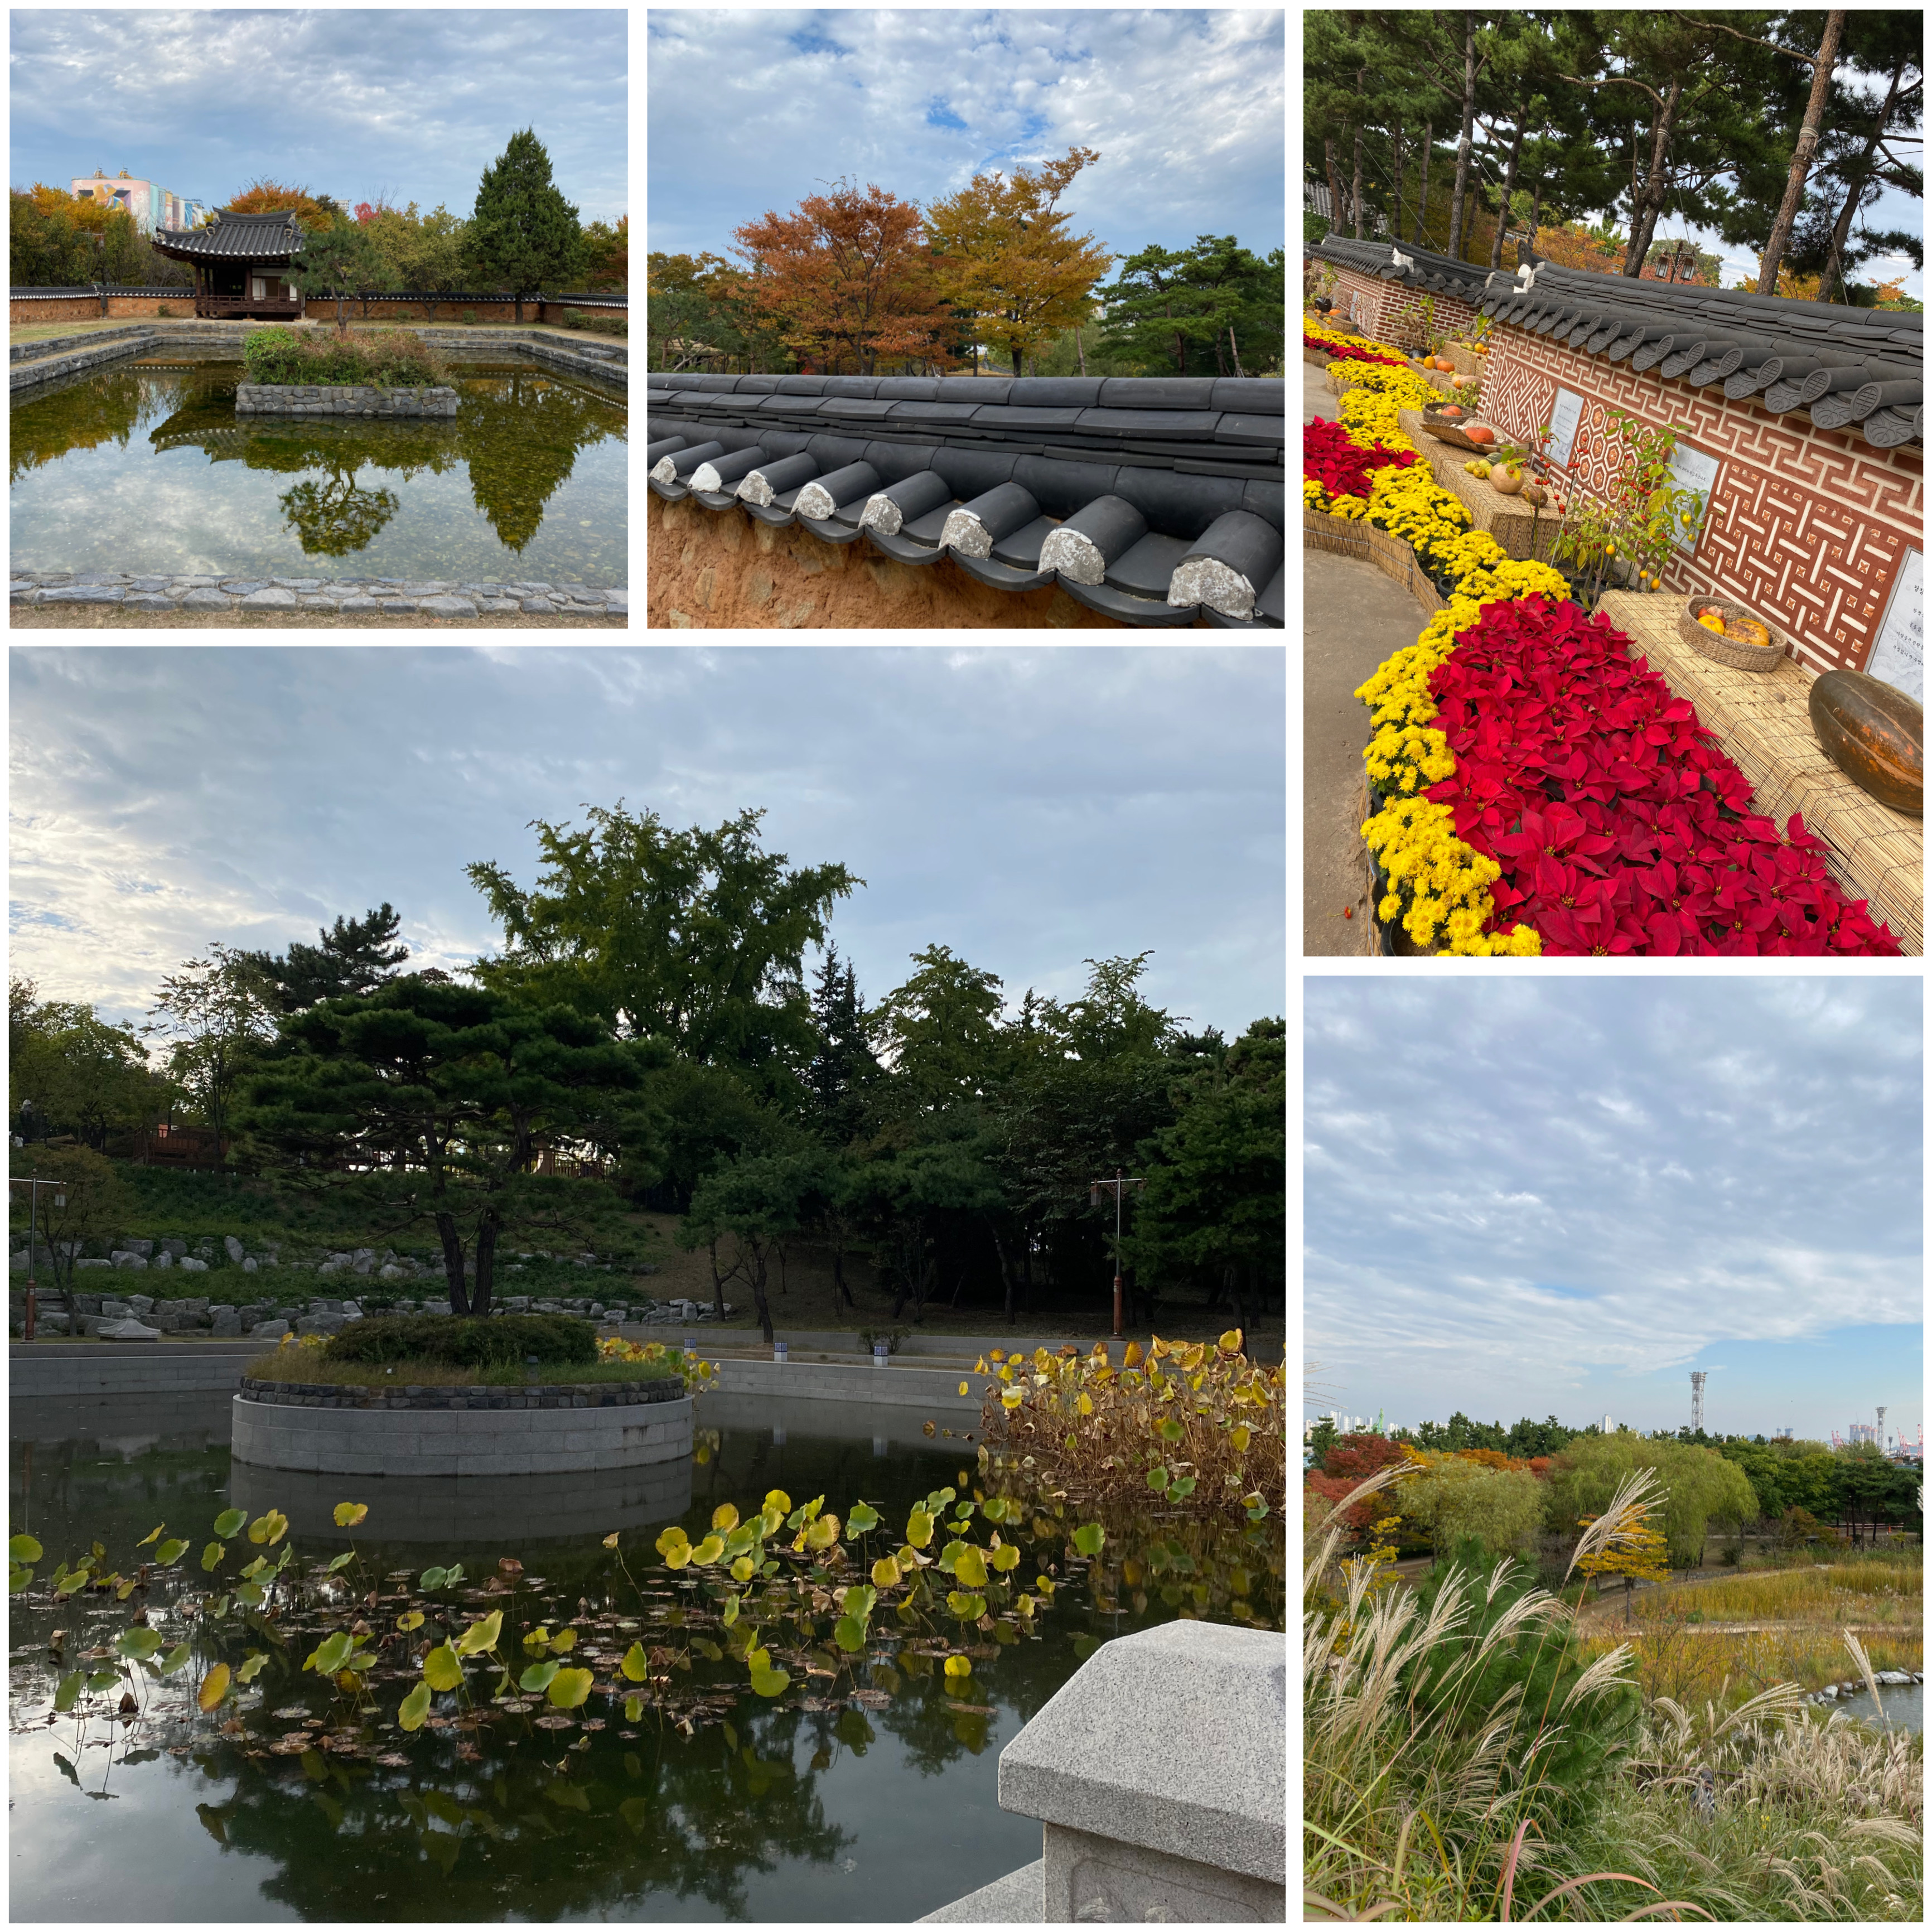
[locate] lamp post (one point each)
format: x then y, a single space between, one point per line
33 1187
1118 1186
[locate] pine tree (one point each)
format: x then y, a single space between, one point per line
358 956
843 1068
523 232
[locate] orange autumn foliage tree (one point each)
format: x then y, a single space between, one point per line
847 275
262 197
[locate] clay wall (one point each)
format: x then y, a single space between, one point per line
87 308
706 570
180 302
1809 526
1393 313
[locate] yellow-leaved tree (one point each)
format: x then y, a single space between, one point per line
1004 255
1635 1551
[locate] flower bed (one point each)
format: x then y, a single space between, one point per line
1537 790
1339 348
1537 773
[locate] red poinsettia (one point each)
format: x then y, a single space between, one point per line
1620 826
1347 351
1343 468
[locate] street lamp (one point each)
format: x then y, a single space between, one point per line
1118 1187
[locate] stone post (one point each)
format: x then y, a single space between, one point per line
1158 1773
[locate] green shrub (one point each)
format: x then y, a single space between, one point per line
162 308
464 1341
469 315
397 361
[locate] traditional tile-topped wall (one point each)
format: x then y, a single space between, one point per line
1808 526
1392 312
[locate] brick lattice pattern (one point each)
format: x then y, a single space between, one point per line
1809 526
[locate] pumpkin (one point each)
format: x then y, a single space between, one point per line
1476 433
1449 413
1875 734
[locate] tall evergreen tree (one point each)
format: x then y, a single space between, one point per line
522 231
842 1071
358 956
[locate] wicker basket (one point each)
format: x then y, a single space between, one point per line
1454 433
1739 656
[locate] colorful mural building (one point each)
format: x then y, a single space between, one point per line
151 205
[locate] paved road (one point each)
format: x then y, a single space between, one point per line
1353 618
1315 400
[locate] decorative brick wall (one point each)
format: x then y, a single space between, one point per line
87 308
1393 313
1809 526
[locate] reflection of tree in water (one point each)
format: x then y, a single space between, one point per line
80 414
334 518
521 432
530 1829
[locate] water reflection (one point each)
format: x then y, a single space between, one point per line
526 480
836 1803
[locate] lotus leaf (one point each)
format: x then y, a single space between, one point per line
228 1521
414 1709
569 1688
538 1676
441 1670
348 1515
481 1635
25 1549
214 1687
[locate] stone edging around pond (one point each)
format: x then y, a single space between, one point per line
511 1440
412 1396
339 399
351 596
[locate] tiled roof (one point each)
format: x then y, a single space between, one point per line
1153 499
1417 268
1845 367
245 237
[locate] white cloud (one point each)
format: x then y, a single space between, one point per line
753 110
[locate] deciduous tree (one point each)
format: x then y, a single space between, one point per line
1006 255
846 273
314 214
214 1012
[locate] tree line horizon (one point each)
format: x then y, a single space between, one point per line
649 1015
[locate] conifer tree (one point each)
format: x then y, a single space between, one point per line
523 232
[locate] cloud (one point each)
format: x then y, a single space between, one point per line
1514 1191
416 101
751 111
1031 808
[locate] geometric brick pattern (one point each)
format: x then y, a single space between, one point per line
1393 313
1808 526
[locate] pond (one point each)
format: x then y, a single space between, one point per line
143 467
1903 1704
870 1795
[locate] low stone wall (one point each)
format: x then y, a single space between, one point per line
339 399
350 596
418 1397
449 1442
71 1371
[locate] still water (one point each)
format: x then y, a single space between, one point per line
882 1807
1902 1707
144 467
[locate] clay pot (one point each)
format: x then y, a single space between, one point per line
1507 481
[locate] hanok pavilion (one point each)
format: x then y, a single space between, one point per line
241 263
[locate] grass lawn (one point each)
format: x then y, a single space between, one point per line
312 1365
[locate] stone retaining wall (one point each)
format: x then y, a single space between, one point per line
427 1396
459 1442
351 596
339 399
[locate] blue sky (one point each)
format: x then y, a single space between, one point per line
752 110
1031 808
412 104
1522 1198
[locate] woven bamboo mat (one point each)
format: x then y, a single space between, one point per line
1761 719
1346 536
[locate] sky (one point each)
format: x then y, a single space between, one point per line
1524 1199
402 104
752 110
1031 808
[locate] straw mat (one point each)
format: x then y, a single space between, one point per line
1503 517
1349 537
1762 721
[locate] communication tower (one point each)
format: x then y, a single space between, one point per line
1697 1379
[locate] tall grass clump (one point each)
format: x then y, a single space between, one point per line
394 360
1196 1425
1464 1759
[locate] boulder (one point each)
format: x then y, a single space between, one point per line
108 1264
188 1262
252 1312
87 1304
390 1271
225 1321
164 1259
141 1304
249 1264
319 1324
137 1246
235 1249
54 1324
114 1311
129 1330
194 1304
173 1244
126 1257
268 1331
